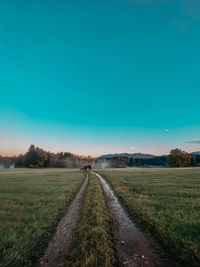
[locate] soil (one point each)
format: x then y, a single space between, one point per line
55 253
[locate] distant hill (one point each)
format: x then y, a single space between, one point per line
196 153
135 155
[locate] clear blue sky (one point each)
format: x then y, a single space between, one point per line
94 77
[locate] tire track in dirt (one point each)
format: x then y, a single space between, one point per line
56 250
132 246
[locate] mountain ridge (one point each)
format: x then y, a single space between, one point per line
129 155
137 155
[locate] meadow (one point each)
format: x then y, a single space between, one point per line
32 201
164 203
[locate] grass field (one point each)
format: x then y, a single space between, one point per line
31 204
165 202
92 243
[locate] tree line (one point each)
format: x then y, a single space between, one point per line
180 158
36 157
176 158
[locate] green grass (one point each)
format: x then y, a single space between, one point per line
165 202
31 203
92 243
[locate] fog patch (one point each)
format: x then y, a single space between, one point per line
104 164
7 166
1 166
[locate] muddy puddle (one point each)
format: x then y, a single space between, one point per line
133 248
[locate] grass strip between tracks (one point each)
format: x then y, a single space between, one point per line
92 243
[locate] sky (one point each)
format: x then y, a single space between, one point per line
101 76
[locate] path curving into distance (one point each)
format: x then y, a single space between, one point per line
55 252
132 246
